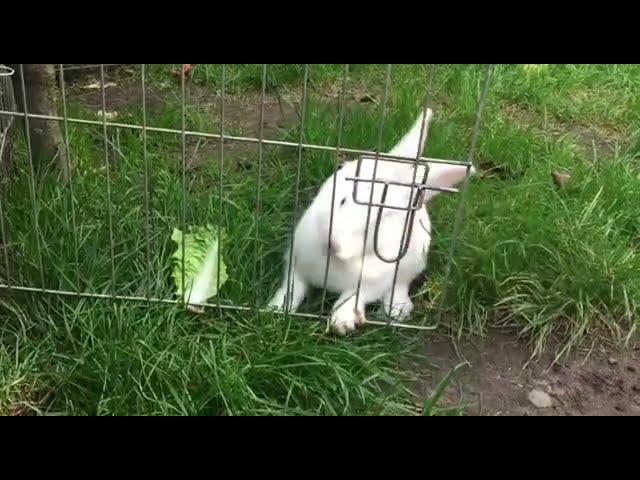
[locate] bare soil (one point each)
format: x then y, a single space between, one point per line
592 139
242 114
499 379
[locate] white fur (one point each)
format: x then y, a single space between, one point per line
311 238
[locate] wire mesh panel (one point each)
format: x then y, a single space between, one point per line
155 162
7 103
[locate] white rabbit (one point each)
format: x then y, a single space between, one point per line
311 244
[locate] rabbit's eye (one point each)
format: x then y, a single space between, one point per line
343 201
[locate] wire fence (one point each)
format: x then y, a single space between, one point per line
376 205
7 103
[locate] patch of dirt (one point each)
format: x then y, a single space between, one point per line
118 97
242 114
588 137
23 400
498 380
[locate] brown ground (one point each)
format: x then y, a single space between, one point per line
498 380
242 114
593 139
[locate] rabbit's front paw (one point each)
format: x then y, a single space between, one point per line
346 319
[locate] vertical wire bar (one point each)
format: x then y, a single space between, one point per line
32 177
118 147
464 189
72 197
3 239
183 219
258 264
410 212
145 157
6 126
6 88
385 98
220 184
335 176
11 96
303 114
108 169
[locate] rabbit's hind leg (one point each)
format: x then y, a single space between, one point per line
402 305
295 291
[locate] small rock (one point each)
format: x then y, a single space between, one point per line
540 399
612 361
631 368
636 388
634 410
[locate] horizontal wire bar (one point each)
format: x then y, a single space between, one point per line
234 138
408 208
418 185
91 67
168 301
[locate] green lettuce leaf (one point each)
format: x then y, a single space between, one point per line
201 264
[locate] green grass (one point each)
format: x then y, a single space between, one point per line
87 358
553 263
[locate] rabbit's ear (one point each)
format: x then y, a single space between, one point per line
442 176
413 142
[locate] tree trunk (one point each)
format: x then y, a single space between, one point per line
42 97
